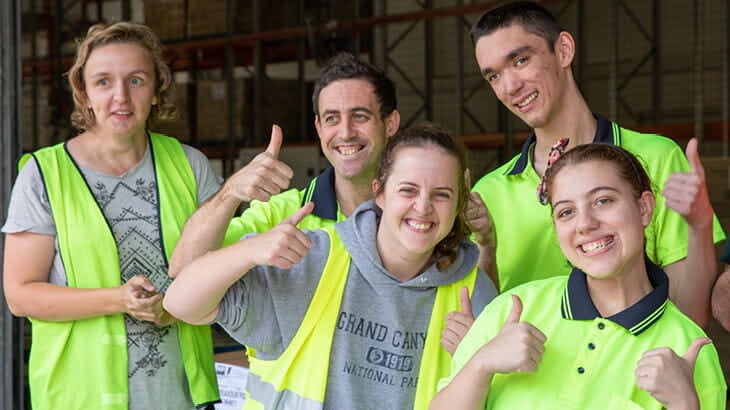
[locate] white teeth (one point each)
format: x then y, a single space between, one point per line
122 112
528 100
594 246
419 225
348 150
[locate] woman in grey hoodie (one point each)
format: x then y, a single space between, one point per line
350 317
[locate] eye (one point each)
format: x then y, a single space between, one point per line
103 82
563 213
442 195
136 81
603 201
407 190
331 119
360 117
492 77
521 61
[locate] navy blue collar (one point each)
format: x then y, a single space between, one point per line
604 134
321 191
577 303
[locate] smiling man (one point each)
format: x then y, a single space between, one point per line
526 57
355 111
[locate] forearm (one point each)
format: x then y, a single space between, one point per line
692 279
195 295
466 391
204 231
488 262
721 299
45 301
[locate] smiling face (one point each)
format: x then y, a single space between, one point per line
351 131
419 202
119 82
599 221
524 73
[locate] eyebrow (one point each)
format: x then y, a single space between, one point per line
510 56
106 73
590 193
351 110
438 188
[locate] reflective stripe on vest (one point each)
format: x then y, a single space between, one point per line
98 346
298 378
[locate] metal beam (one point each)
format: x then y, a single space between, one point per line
12 387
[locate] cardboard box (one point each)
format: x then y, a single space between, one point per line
166 18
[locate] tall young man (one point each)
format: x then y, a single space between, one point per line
526 57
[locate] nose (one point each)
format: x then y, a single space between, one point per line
423 204
346 129
121 94
511 82
585 222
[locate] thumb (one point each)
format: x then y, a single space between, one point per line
465 301
141 281
694 349
514 315
693 156
297 217
275 143
476 199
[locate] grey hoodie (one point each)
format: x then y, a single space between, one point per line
381 328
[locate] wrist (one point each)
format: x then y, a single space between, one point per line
482 374
227 199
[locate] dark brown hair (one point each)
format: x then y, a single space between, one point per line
345 66
626 164
532 17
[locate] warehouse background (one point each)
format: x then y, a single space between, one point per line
659 65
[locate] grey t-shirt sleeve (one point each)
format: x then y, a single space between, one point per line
29 209
265 308
207 180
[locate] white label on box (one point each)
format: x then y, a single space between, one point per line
231 384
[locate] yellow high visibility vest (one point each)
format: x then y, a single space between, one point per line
298 378
83 363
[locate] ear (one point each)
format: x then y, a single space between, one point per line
317 124
646 207
378 198
565 49
392 122
154 100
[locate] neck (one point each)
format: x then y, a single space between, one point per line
574 121
402 268
114 156
614 295
352 192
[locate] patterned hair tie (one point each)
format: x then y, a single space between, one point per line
555 152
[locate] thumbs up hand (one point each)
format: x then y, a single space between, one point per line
264 176
668 377
283 245
457 323
686 192
518 347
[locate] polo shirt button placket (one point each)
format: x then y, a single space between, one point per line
581 370
601 325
